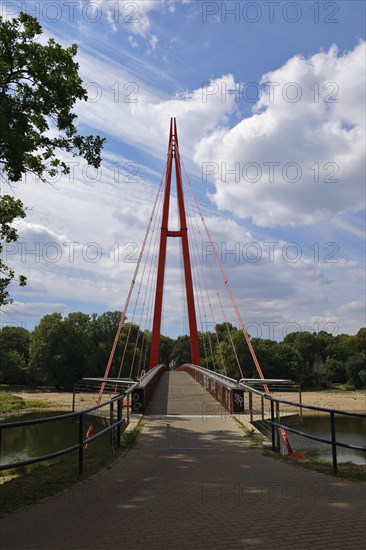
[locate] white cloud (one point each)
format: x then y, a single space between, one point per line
153 41
29 312
108 211
117 94
323 139
133 42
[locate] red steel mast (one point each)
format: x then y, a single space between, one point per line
173 154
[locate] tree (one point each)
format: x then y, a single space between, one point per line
15 338
10 209
336 370
355 366
39 85
181 350
60 349
46 349
14 352
360 340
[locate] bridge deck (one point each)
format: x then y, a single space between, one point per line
179 394
193 481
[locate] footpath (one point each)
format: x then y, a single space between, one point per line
193 481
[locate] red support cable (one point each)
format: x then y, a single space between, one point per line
220 302
207 294
233 301
124 313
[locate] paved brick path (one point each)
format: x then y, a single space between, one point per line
193 481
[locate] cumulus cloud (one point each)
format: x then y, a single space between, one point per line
111 209
298 159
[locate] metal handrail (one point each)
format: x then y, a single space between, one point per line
229 382
145 379
332 412
294 403
82 440
315 438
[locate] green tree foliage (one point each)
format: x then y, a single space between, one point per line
39 86
10 209
166 347
46 350
354 366
14 354
63 350
181 350
360 340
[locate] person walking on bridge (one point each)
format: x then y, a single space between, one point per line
172 365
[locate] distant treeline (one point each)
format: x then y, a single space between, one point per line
61 350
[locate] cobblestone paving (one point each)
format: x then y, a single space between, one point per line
194 482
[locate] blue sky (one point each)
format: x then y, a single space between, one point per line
279 161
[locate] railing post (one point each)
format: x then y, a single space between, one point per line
81 442
300 401
262 407
251 406
111 421
278 429
119 418
272 427
73 398
334 443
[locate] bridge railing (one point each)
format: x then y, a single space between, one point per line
224 389
145 387
276 424
115 425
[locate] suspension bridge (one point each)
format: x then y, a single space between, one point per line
194 480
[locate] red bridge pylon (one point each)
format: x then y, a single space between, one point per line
173 156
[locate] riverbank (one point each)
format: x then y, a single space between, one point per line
352 401
34 398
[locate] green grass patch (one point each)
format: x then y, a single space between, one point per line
256 438
346 470
35 404
131 436
10 403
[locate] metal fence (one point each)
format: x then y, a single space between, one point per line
115 425
275 423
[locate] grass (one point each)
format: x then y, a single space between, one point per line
256 438
346 470
131 436
11 403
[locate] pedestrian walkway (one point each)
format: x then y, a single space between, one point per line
194 482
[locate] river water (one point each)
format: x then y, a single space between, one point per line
40 439
351 430
37 440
